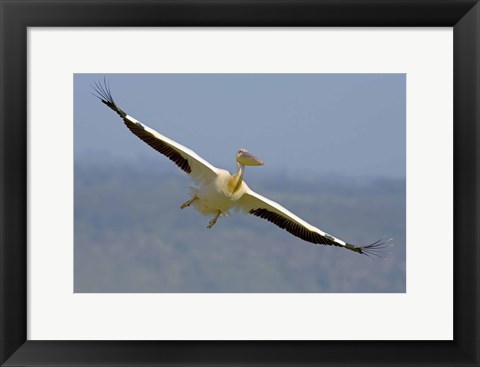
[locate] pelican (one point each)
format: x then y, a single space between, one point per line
218 191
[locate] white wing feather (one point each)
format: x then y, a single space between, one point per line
201 170
258 205
198 168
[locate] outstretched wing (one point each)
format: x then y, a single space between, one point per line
260 206
189 161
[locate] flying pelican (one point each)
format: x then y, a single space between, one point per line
218 190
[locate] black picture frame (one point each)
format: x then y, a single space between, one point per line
17 15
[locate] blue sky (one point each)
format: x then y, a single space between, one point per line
350 125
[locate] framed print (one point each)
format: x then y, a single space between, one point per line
365 123
282 274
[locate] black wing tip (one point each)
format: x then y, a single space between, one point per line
103 93
375 251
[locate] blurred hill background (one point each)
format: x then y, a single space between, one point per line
131 235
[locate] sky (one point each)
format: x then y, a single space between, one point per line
348 125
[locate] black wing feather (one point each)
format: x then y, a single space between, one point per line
104 94
373 251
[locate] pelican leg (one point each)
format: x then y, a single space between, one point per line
188 203
214 220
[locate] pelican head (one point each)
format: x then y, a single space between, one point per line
247 159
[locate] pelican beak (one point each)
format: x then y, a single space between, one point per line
248 159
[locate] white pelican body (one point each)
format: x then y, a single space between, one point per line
218 191
218 195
